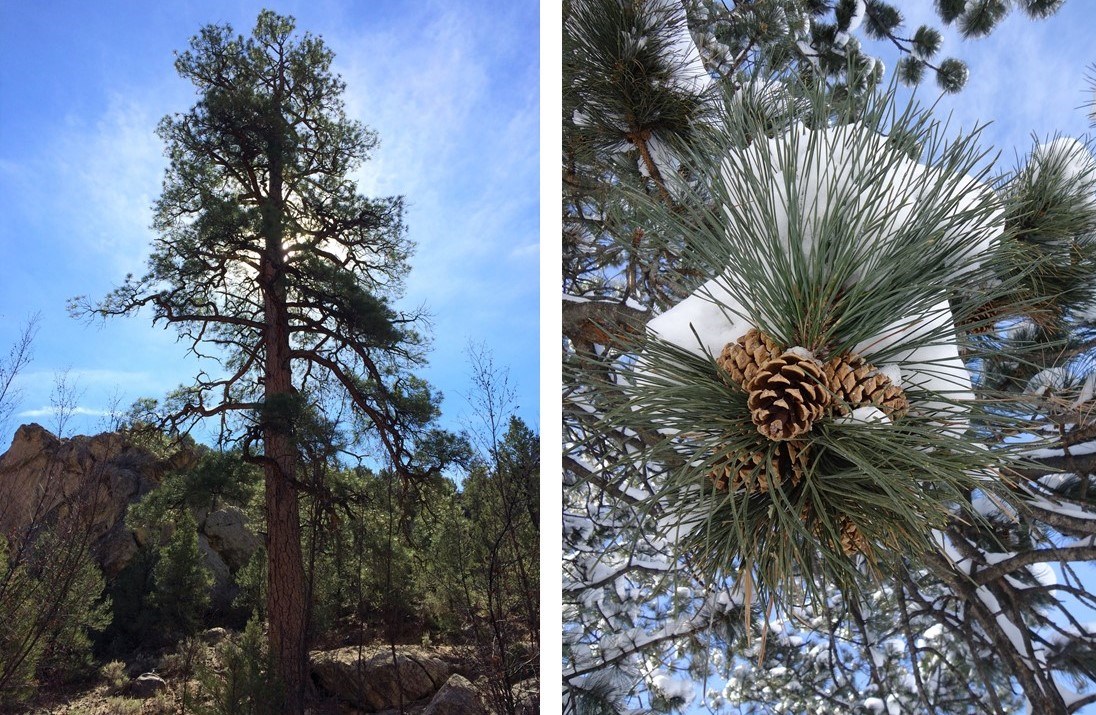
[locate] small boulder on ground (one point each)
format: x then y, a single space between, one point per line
456 697
213 636
147 685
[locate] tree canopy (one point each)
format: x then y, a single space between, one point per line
273 267
709 188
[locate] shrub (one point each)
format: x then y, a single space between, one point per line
114 673
182 582
50 598
244 684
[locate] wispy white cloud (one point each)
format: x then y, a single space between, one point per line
93 185
115 167
70 411
525 251
418 85
460 140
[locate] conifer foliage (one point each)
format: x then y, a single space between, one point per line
827 378
822 38
271 264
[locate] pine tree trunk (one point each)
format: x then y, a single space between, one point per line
285 595
286 604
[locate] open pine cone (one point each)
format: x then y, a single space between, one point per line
744 357
757 471
787 394
856 383
850 537
852 541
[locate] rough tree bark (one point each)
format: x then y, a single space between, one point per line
287 607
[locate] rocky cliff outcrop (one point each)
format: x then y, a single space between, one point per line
84 486
83 483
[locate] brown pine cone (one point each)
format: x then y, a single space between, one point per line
755 471
852 541
744 357
849 536
787 394
984 318
856 383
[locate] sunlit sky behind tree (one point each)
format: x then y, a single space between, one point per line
451 88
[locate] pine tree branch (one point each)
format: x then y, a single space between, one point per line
1062 522
1078 464
988 624
586 475
387 424
640 139
1038 685
600 323
1036 556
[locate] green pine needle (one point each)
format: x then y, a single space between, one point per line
870 262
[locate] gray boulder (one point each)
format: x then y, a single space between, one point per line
147 685
456 697
213 636
228 535
372 682
224 590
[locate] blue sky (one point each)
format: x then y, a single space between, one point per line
1027 79
451 88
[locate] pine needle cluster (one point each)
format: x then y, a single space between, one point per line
862 237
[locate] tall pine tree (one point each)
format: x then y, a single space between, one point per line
269 262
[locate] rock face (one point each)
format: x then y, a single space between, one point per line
371 682
456 697
228 535
527 696
87 484
226 545
223 590
84 482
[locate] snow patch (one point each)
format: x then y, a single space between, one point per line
705 321
933 632
672 687
802 353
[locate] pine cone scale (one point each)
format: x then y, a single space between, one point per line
759 471
786 396
742 358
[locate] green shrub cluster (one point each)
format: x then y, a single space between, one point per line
50 601
241 681
388 558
